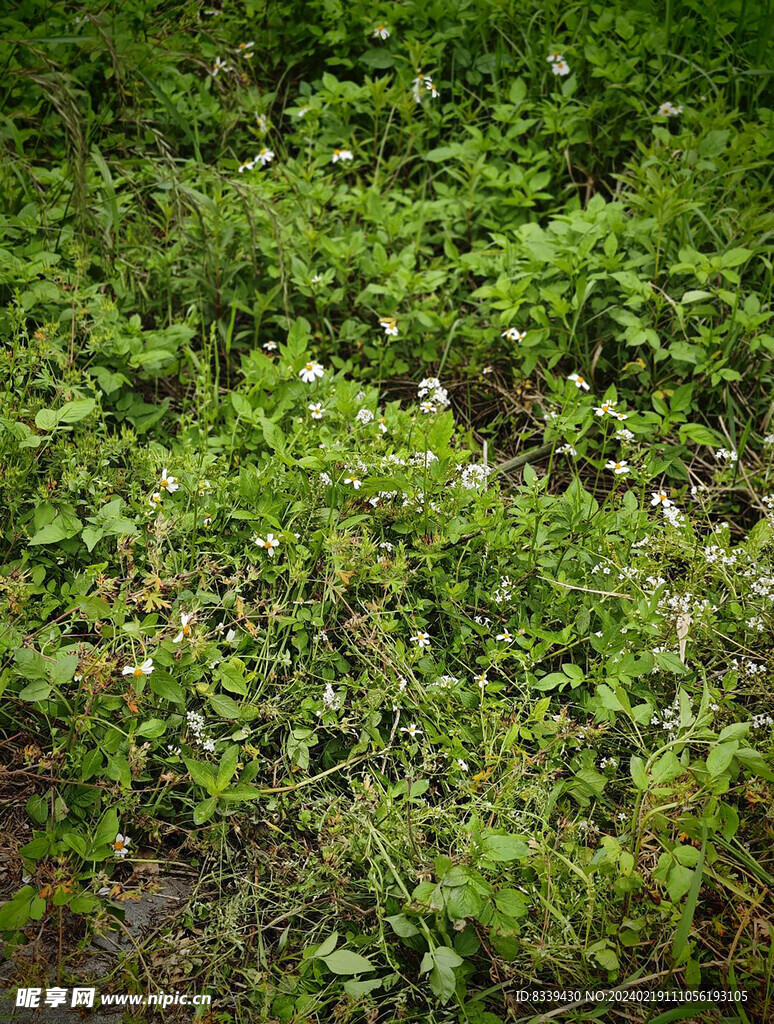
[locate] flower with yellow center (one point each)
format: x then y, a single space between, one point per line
578 381
311 372
120 845
660 497
185 623
137 671
390 325
268 544
411 731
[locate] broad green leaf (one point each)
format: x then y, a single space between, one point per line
638 772
35 691
721 756
505 848
227 767
344 961
204 810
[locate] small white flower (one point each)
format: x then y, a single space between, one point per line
624 435
381 32
606 409
316 280
121 846
482 681
411 731
185 622
244 48
207 521
506 635
421 639
263 123
316 409
269 544
422 82
218 66
660 498
560 67
617 467
433 393
311 372
726 455
390 326
669 109
461 764
567 449
514 335
554 56
155 499
265 156
303 110
247 165
578 381
364 416
168 483
270 346
354 482
144 669
230 636
341 154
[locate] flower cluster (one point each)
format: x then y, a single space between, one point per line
473 476
421 85
726 455
432 396
195 722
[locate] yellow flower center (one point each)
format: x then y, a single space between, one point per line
137 672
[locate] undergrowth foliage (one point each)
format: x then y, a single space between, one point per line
387 485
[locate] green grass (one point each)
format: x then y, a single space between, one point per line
490 716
